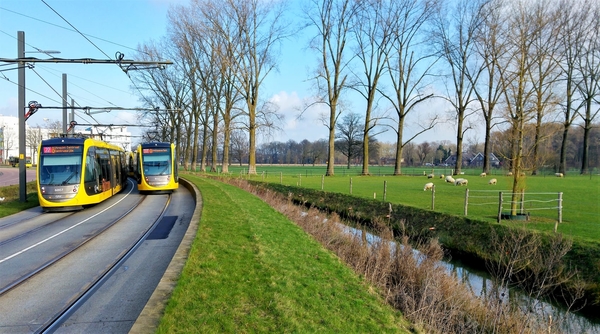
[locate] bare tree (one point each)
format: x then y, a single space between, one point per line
239 146
490 45
164 90
455 41
409 64
423 150
518 89
260 27
373 34
588 65
350 131
332 19
572 39
543 74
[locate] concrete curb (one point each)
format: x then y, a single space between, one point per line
149 318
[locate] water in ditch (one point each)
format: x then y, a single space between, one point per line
479 282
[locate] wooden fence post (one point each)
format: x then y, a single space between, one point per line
500 207
384 190
433 197
466 200
350 186
280 178
322 181
560 207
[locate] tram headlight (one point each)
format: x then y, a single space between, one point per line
43 190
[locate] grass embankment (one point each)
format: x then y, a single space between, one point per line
252 270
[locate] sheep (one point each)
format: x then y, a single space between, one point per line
559 174
509 174
430 176
460 182
449 179
493 181
442 176
428 186
484 174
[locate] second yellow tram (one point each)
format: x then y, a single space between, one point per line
155 167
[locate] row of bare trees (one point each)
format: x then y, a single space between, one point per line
511 63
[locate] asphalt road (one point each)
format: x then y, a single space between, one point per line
10 175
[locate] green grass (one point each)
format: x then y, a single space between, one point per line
581 194
12 203
252 270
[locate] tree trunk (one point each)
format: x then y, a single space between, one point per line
331 152
586 147
487 146
215 140
399 146
562 167
252 139
227 140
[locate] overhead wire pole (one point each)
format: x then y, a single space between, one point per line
21 103
22 61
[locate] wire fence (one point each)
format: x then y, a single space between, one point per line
518 205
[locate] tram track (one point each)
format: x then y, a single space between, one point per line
73 250
78 300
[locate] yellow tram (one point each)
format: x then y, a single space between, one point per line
75 172
155 167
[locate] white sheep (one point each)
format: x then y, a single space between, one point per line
460 182
492 181
509 174
430 176
449 179
559 174
428 186
441 176
483 174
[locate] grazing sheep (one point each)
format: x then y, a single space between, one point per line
449 179
492 181
460 182
483 174
442 176
428 186
430 176
509 174
559 174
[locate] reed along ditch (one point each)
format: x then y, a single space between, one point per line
467 240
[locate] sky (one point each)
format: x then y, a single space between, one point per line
121 26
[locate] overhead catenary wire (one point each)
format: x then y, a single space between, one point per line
65 28
77 30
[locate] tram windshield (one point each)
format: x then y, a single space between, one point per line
60 166
156 161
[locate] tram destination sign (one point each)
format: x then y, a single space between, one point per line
155 150
62 149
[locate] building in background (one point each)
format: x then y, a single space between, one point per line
9 137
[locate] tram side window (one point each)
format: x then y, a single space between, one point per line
90 165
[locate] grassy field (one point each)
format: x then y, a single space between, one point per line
252 270
580 198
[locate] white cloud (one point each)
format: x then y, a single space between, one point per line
298 124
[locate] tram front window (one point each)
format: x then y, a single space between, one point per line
157 164
60 170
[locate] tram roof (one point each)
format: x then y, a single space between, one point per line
155 144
